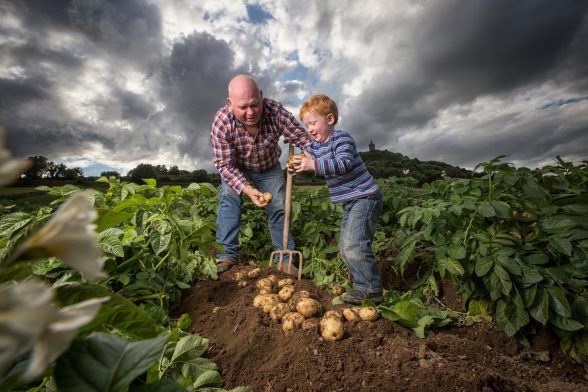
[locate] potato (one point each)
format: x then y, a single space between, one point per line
286 293
309 307
296 297
265 284
332 329
278 311
254 273
265 198
264 291
288 325
291 321
237 276
369 313
350 314
285 282
261 300
337 290
242 283
310 324
272 301
333 314
274 279
291 164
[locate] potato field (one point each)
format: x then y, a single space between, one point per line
486 290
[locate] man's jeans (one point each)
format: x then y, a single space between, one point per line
229 211
358 227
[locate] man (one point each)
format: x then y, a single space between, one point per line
245 134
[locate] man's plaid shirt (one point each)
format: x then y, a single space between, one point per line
234 148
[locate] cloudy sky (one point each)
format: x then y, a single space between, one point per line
123 82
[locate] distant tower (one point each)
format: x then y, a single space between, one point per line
372 146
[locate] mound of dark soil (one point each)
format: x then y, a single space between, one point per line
252 350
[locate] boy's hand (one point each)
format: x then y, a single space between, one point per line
304 162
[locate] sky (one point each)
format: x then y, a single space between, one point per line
102 84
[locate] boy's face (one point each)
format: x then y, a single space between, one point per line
319 127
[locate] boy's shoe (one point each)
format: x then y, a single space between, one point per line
223 265
355 297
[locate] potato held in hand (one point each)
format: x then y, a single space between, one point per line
265 198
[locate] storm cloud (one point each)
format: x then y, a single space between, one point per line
121 83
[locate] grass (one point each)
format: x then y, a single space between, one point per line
23 199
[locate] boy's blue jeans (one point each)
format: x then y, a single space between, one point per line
229 211
358 227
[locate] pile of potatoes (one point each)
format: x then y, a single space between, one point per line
296 309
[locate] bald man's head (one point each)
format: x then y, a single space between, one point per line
245 100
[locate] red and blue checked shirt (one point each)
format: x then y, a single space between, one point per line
234 148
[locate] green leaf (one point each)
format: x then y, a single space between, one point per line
528 295
112 219
558 301
486 210
452 266
105 362
557 223
248 231
530 276
483 265
159 241
567 324
12 222
197 366
190 346
110 242
506 313
456 251
166 385
540 309
210 378
501 209
562 245
406 313
423 323
119 313
504 277
150 181
537 259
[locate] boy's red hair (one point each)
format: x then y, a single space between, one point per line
320 104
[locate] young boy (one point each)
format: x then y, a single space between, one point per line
333 155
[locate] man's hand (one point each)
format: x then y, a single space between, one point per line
256 196
304 162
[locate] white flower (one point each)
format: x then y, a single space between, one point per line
70 235
406 172
30 321
22 306
10 169
58 334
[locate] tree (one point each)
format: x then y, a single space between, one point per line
38 168
110 173
174 171
199 175
73 173
60 170
143 170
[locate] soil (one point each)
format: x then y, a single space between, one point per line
251 350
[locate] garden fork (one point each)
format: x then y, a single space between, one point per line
287 252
